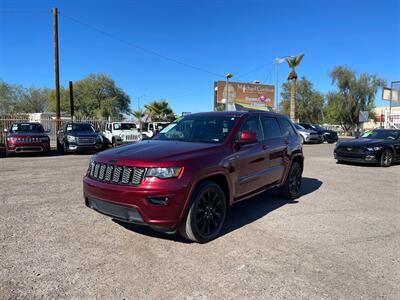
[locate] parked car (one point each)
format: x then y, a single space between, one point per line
329 136
186 177
379 146
149 129
118 133
77 137
308 136
26 137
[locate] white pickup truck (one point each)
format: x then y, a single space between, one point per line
149 128
118 133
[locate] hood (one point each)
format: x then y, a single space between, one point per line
27 134
82 133
363 142
157 151
127 132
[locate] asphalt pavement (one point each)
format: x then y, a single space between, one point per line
339 240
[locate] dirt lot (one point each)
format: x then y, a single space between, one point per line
340 240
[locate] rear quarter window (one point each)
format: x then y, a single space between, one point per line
287 127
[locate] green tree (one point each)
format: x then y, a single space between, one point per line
293 62
354 93
97 95
33 100
309 102
159 111
139 115
10 96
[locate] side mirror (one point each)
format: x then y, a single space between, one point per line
247 137
5 130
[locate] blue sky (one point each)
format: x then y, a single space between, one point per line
217 36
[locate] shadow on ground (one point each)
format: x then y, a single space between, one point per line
240 214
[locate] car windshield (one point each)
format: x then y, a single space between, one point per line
80 127
299 127
27 127
381 134
201 129
124 126
315 126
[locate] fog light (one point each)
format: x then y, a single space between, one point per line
73 147
158 200
370 157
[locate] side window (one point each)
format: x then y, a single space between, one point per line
286 127
252 124
270 127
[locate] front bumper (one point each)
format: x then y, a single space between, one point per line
74 147
131 203
28 147
367 157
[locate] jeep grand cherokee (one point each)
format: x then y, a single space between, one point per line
186 177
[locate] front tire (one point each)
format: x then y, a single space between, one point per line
386 158
65 148
291 187
206 214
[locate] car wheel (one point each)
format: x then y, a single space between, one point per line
65 148
386 158
291 187
206 214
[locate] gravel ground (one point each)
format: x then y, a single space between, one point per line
340 240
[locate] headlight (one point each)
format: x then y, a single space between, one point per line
71 138
11 139
374 148
306 133
164 173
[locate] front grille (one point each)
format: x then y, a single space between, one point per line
116 174
86 140
350 150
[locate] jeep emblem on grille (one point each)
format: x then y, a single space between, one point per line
112 161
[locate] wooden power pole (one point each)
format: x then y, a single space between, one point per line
56 69
71 100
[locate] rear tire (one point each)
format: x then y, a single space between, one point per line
206 213
65 148
291 187
386 158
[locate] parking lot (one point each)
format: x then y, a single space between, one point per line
339 240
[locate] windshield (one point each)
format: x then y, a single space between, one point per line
299 127
124 126
318 127
27 127
381 134
79 127
201 129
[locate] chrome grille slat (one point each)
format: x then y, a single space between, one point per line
137 175
96 170
117 174
109 172
102 171
86 140
126 175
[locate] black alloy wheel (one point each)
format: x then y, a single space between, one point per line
291 187
206 214
386 158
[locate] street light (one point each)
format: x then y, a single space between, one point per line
228 76
277 61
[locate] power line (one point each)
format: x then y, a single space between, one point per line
136 46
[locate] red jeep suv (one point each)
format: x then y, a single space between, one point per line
26 137
187 176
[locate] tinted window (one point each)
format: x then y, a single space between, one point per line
252 124
271 127
79 127
27 127
200 129
286 127
382 134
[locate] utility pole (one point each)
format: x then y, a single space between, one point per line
56 68
71 100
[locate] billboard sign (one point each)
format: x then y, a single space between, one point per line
244 96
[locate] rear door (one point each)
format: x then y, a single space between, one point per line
275 149
250 161
290 139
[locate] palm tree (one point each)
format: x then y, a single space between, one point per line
139 114
159 111
293 62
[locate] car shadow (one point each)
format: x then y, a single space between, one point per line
240 214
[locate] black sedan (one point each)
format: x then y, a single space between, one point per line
379 146
327 135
